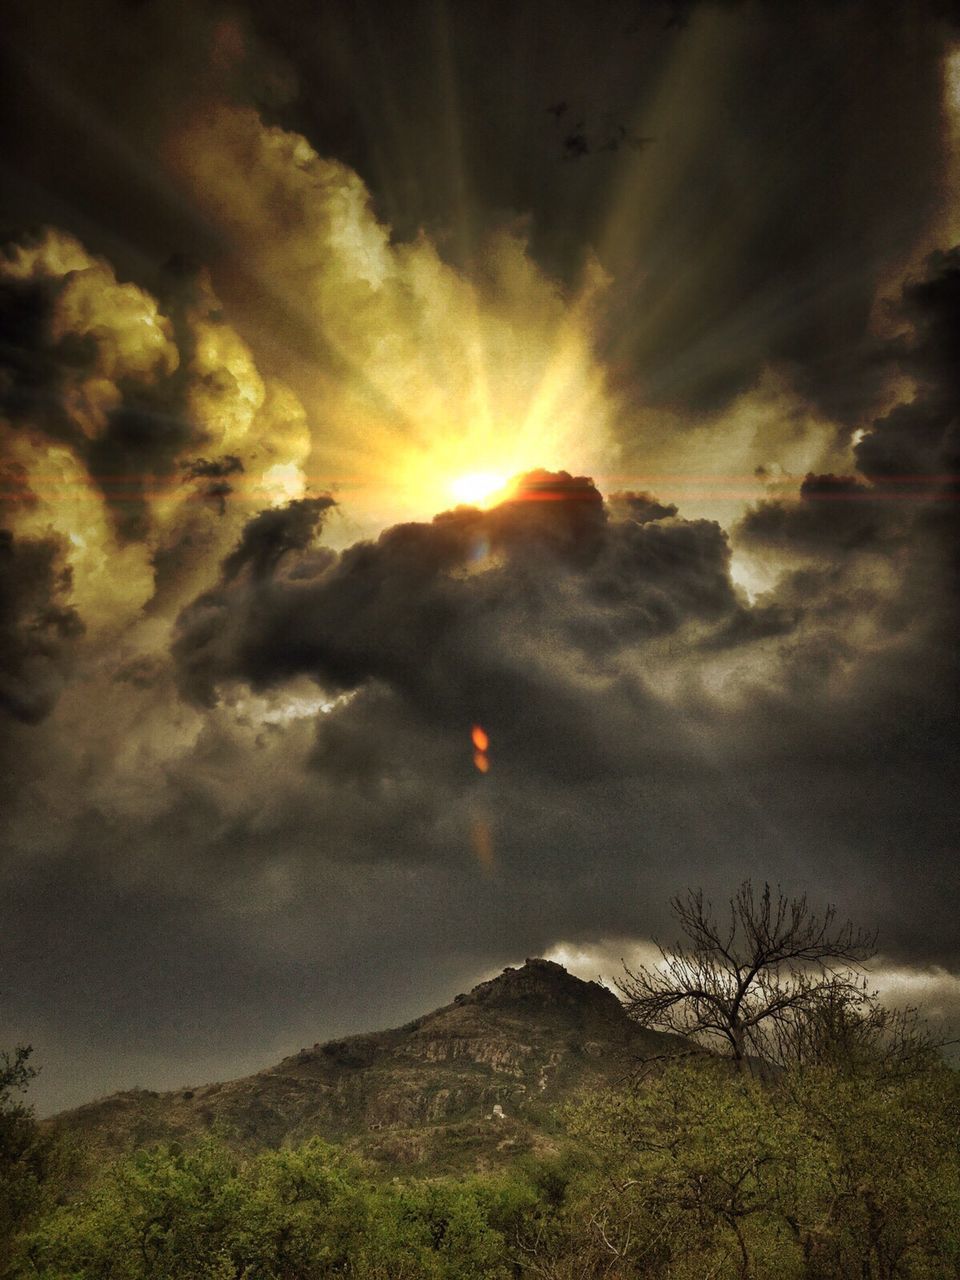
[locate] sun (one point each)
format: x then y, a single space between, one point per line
477 488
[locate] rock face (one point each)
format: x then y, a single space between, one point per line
465 1086
542 985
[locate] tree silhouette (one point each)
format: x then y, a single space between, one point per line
750 979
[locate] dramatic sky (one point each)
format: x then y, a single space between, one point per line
670 292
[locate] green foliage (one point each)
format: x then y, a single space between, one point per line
836 1167
29 1161
169 1214
686 1160
821 1173
429 1229
876 1183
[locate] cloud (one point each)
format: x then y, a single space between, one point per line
934 992
387 342
37 626
917 443
643 507
617 666
469 615
239 781
217 471
273 534
834 514
106 401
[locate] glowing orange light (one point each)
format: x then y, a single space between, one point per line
481 761
480 738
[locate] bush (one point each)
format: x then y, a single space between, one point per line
822 1171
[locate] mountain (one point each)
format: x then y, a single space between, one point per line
466 1086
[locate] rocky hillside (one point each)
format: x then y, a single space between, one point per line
468 1085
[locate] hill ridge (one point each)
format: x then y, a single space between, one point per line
465 1085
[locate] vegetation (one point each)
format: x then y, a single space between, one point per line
752 981
826 1172
838 1158
32 1166
695 1171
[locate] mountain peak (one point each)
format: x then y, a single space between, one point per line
541 982
462 1087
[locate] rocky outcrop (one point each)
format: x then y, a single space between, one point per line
468 1084
543 985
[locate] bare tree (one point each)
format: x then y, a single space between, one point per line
848 1028
748 979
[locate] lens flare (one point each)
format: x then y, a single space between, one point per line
481 742
482 841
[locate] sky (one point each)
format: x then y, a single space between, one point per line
373 374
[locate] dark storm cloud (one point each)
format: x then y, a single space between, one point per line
631 692
220 468
451 613
37 626
872 579
918 443
752 228
833 514
44 362
221 877
215 473
559 628
33 368
642 507
273 534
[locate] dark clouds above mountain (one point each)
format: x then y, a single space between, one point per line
240 803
